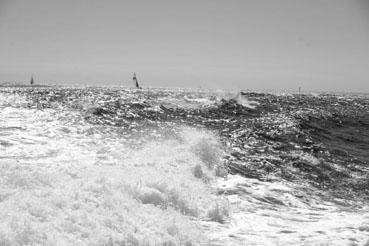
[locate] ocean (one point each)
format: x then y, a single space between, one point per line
160 166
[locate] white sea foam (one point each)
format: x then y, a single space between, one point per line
242 100
62 185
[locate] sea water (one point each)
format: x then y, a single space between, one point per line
117 166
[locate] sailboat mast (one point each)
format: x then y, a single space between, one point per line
136 81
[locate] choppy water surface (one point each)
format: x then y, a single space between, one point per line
113 166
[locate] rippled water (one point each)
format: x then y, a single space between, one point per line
112 166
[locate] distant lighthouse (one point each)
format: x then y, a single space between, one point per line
32 81
136 81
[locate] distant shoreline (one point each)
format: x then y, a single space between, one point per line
8 84
20 85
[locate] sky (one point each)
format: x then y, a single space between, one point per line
318 45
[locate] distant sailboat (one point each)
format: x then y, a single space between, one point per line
136 81
32 81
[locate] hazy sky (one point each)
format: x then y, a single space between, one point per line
276 44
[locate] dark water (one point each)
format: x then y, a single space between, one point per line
319 139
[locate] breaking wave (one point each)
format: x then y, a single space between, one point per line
112 166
